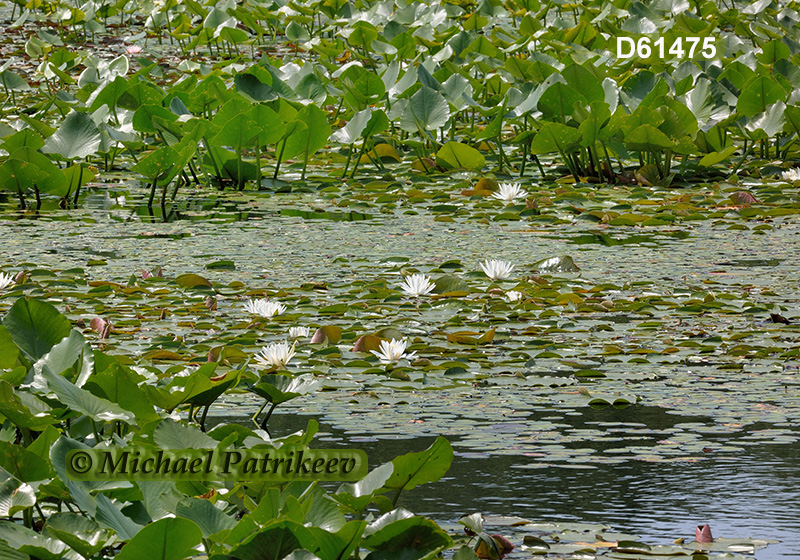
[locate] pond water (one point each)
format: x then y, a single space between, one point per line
712 439
752 494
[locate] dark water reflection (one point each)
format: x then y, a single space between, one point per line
752 494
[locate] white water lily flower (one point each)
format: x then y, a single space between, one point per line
392 351
5 280
264 307
791 175
496 269
299 332
509 192
276 354
417 285
513 295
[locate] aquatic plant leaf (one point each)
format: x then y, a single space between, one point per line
15 496
35 326
426 110
555 137
22 464
758 94
558 101
80 400
339 544
396 536
173 435
311 138
278 388
413 469
455 155
171 538
250 86
19 413
80 533
563 263
327 334
274 541
203 513
77 137
190 280
30 542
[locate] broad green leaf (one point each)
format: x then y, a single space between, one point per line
313 137
81 534
555 137
116 383
25 137
557 102
413 469
80 400
22 464
190 280
158 165
55 182
12 81
358 495
77 137
171 538
270 127
8 350
426 110
274 541
591 126
77 176
278 389
339 544
351 132
35 326
773 51
362 34
399 534
455 155
172 435
144 119
110 516
310 87
582 80
648 138
250 86
714 158
30 542
20 175
15 496
203 513
17 408
757 94
64 355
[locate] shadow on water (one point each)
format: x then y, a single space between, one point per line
751 494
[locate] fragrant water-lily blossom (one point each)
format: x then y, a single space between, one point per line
276 354
299 332
5 280
509 192
392 351
513 295
264 307
496 269
791 175
417 285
